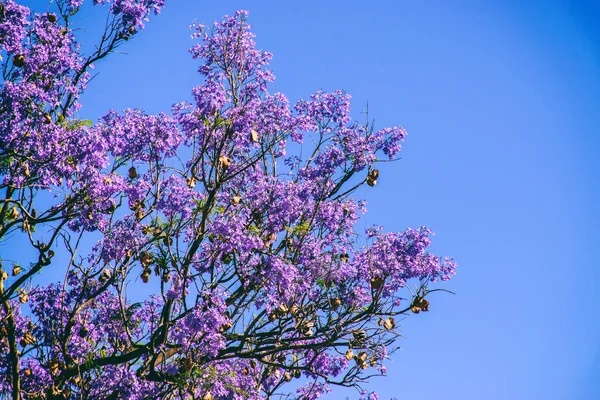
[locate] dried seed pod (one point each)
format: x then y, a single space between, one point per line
245 371
236 200
51 18
53 366
166 277
105 275
225 162
272 316
146 258
4 275
191 182
297 373
23 297
349 355
132 173
415 309
372 178
14 213
277 374
424 304
188 364
359 335
47 119
335 303
373 361
389 323
145 275
287 377
16 270
132 30
376 282
27 339
83 332
344 257
225 327
254 136
19 60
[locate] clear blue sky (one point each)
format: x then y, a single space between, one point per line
501 99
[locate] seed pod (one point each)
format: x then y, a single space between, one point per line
146 258
254 136
297 373
145 275
415 309
27 372
23 297
132 30
335 303
287 377
26 226
225 327
4 275
359 335
191 182
51 18
376 282
166 277
26 170
373 361
389 323
132 173
372 178
105 275
16 270
349 355
236 200
277 374
47 119
19 60
344 257
83 332
208 396
188 364
225 162
28 338
272 316
245 371
424 304
14 213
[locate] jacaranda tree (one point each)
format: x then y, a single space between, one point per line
209 252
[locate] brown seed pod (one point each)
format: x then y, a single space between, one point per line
335 303
14 213
4 275
287 377
389 323
415 309
105 275
19 60
145 275
188 364
344 257
236 200
132 30
23 297
166 277
146 258
376 282
424 304
254 136
191 182
51 18
47 119
16 270
372 177
132 173
225 162
349 355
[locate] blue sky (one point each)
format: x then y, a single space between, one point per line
501 100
